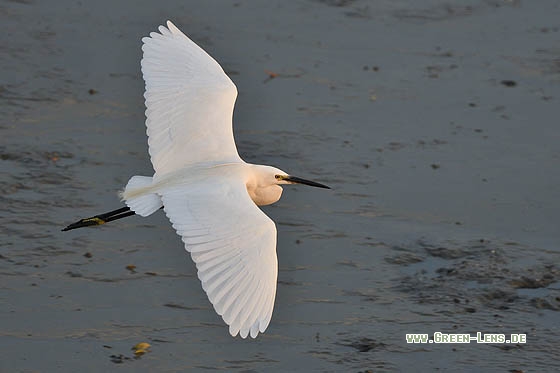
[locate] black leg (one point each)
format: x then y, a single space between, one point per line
120 216
114 212
101 218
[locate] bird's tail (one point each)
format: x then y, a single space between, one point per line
139 196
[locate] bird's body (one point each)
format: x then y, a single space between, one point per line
207 191
258 179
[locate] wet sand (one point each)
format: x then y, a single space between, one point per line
435 124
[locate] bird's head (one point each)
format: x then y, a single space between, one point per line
264 184
276 176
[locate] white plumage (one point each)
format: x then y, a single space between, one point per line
208 192
189 103
189 109
233 244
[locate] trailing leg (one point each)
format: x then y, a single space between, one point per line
101 218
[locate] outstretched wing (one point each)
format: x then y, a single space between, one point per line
189 103
233 244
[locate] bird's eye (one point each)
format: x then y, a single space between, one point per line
277 177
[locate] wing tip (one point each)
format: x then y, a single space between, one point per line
174 29
233 332
170 30
244 333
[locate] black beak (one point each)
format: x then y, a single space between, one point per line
297 180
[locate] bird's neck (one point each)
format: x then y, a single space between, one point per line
261 191
263 196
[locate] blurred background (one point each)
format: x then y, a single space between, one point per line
435 123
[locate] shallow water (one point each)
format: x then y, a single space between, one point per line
435 125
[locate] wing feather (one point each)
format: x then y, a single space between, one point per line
233 244
189 103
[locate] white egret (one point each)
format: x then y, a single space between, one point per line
207 191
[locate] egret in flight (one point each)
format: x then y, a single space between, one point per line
207 191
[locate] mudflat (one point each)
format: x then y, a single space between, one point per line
436 125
